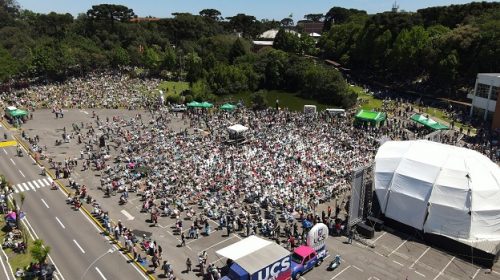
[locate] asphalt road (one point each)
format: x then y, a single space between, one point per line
74 240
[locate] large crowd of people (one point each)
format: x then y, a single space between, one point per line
97 90
289 164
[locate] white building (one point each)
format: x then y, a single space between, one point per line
484 98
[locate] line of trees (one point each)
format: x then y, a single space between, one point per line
438 49
442 47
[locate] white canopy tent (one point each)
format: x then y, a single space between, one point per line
237 128
440 189
253 253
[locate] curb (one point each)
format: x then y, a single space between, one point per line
63 187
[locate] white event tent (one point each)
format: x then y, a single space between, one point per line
237 128
440 189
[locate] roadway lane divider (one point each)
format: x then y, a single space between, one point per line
65 190
79 247
60 223
45 203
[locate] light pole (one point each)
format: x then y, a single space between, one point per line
109 251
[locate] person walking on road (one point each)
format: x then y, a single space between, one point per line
351 234
188 265
183 240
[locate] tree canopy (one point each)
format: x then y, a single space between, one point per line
438 49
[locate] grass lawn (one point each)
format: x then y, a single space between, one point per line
170 87
368 102
286 100
16 260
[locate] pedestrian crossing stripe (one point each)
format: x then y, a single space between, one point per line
32 185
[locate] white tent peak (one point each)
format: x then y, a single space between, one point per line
238 128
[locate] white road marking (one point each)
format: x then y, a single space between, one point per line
444 268
127 214
50 179
419 273
373 278
21 173
396 262
41 182
495 272
98 271
85 112
46 205
397 248
12 161
3 266
88 219
340 272
31 186
18 188
379 254
79 247
413 264
357 268
46 183
376 239
475 274
26 188
206 249
239 237
5 151
36 184
60 223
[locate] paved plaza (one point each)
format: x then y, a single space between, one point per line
392 255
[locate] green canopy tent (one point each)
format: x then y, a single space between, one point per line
371 117
228 107
194 104
205 104
19 113
428 122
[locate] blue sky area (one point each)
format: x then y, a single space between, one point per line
269 9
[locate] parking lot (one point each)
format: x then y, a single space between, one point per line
393 256
399 256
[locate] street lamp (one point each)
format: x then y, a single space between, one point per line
109 251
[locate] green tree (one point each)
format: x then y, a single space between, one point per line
119 56
246 24
339 15
287 22
211 14
110 13
237 50
287 41
408 51
314 17
194 65
8 66
153 58
39 252
9 12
